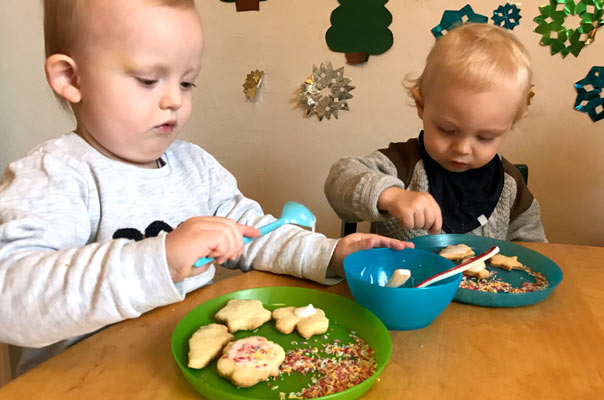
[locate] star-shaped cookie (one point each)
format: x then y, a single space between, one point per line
243 315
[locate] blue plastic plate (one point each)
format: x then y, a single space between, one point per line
536 261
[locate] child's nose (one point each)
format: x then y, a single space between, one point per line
171 98
462 146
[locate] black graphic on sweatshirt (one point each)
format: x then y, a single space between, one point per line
154 229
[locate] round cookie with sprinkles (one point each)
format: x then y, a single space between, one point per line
248 361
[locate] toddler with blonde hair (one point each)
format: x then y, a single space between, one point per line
105 223
450 179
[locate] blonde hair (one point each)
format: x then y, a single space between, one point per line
475 57
64 27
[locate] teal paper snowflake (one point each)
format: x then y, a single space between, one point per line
454 18
507 16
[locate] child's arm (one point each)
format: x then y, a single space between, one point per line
54 285
527 226
525 213
367 188
288 250
354 185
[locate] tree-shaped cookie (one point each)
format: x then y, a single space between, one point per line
245 5
359 28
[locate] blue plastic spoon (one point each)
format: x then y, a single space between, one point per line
293 213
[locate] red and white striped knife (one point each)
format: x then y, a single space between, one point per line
460 268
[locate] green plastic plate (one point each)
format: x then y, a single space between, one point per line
536 261
343 314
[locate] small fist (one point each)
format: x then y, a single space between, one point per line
413 210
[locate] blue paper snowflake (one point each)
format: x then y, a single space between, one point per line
507 16
454 18
590 96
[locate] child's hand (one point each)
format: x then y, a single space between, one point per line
216 237
414 210
361 241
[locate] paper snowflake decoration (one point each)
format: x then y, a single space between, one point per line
454 18
325 92
507 16
590 95
564 40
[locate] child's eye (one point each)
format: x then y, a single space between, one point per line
446 131
485 139
187 85
146 82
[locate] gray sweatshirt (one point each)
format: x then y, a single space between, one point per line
62 275
354 185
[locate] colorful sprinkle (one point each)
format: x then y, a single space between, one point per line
335 367
493 284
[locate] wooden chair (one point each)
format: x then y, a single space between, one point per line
351 227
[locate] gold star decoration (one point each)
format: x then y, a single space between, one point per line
252 84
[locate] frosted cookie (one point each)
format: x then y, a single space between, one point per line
308 320
479 270
206 344
248 361
507 263
243 315
457 252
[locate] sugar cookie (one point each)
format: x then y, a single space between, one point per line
248 361
507 263
307 322
479 270
457 252
243 315
206 344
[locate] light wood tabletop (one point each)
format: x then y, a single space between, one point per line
550 350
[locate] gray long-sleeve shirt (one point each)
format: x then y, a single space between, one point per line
354 185
63 275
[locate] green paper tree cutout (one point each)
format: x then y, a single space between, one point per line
359 28
245 5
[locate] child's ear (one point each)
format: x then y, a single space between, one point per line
62 76
419 103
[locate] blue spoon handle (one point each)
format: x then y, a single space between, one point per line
263 230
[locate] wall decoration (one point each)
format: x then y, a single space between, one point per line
325 92
507 15
454 18
564 40
245 5
252 83
530 95
590 94
359 28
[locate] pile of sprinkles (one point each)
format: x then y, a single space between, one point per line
335 367
493 284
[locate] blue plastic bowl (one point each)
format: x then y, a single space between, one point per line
406 307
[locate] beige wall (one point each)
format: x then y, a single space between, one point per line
278 155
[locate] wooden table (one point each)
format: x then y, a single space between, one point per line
551 350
